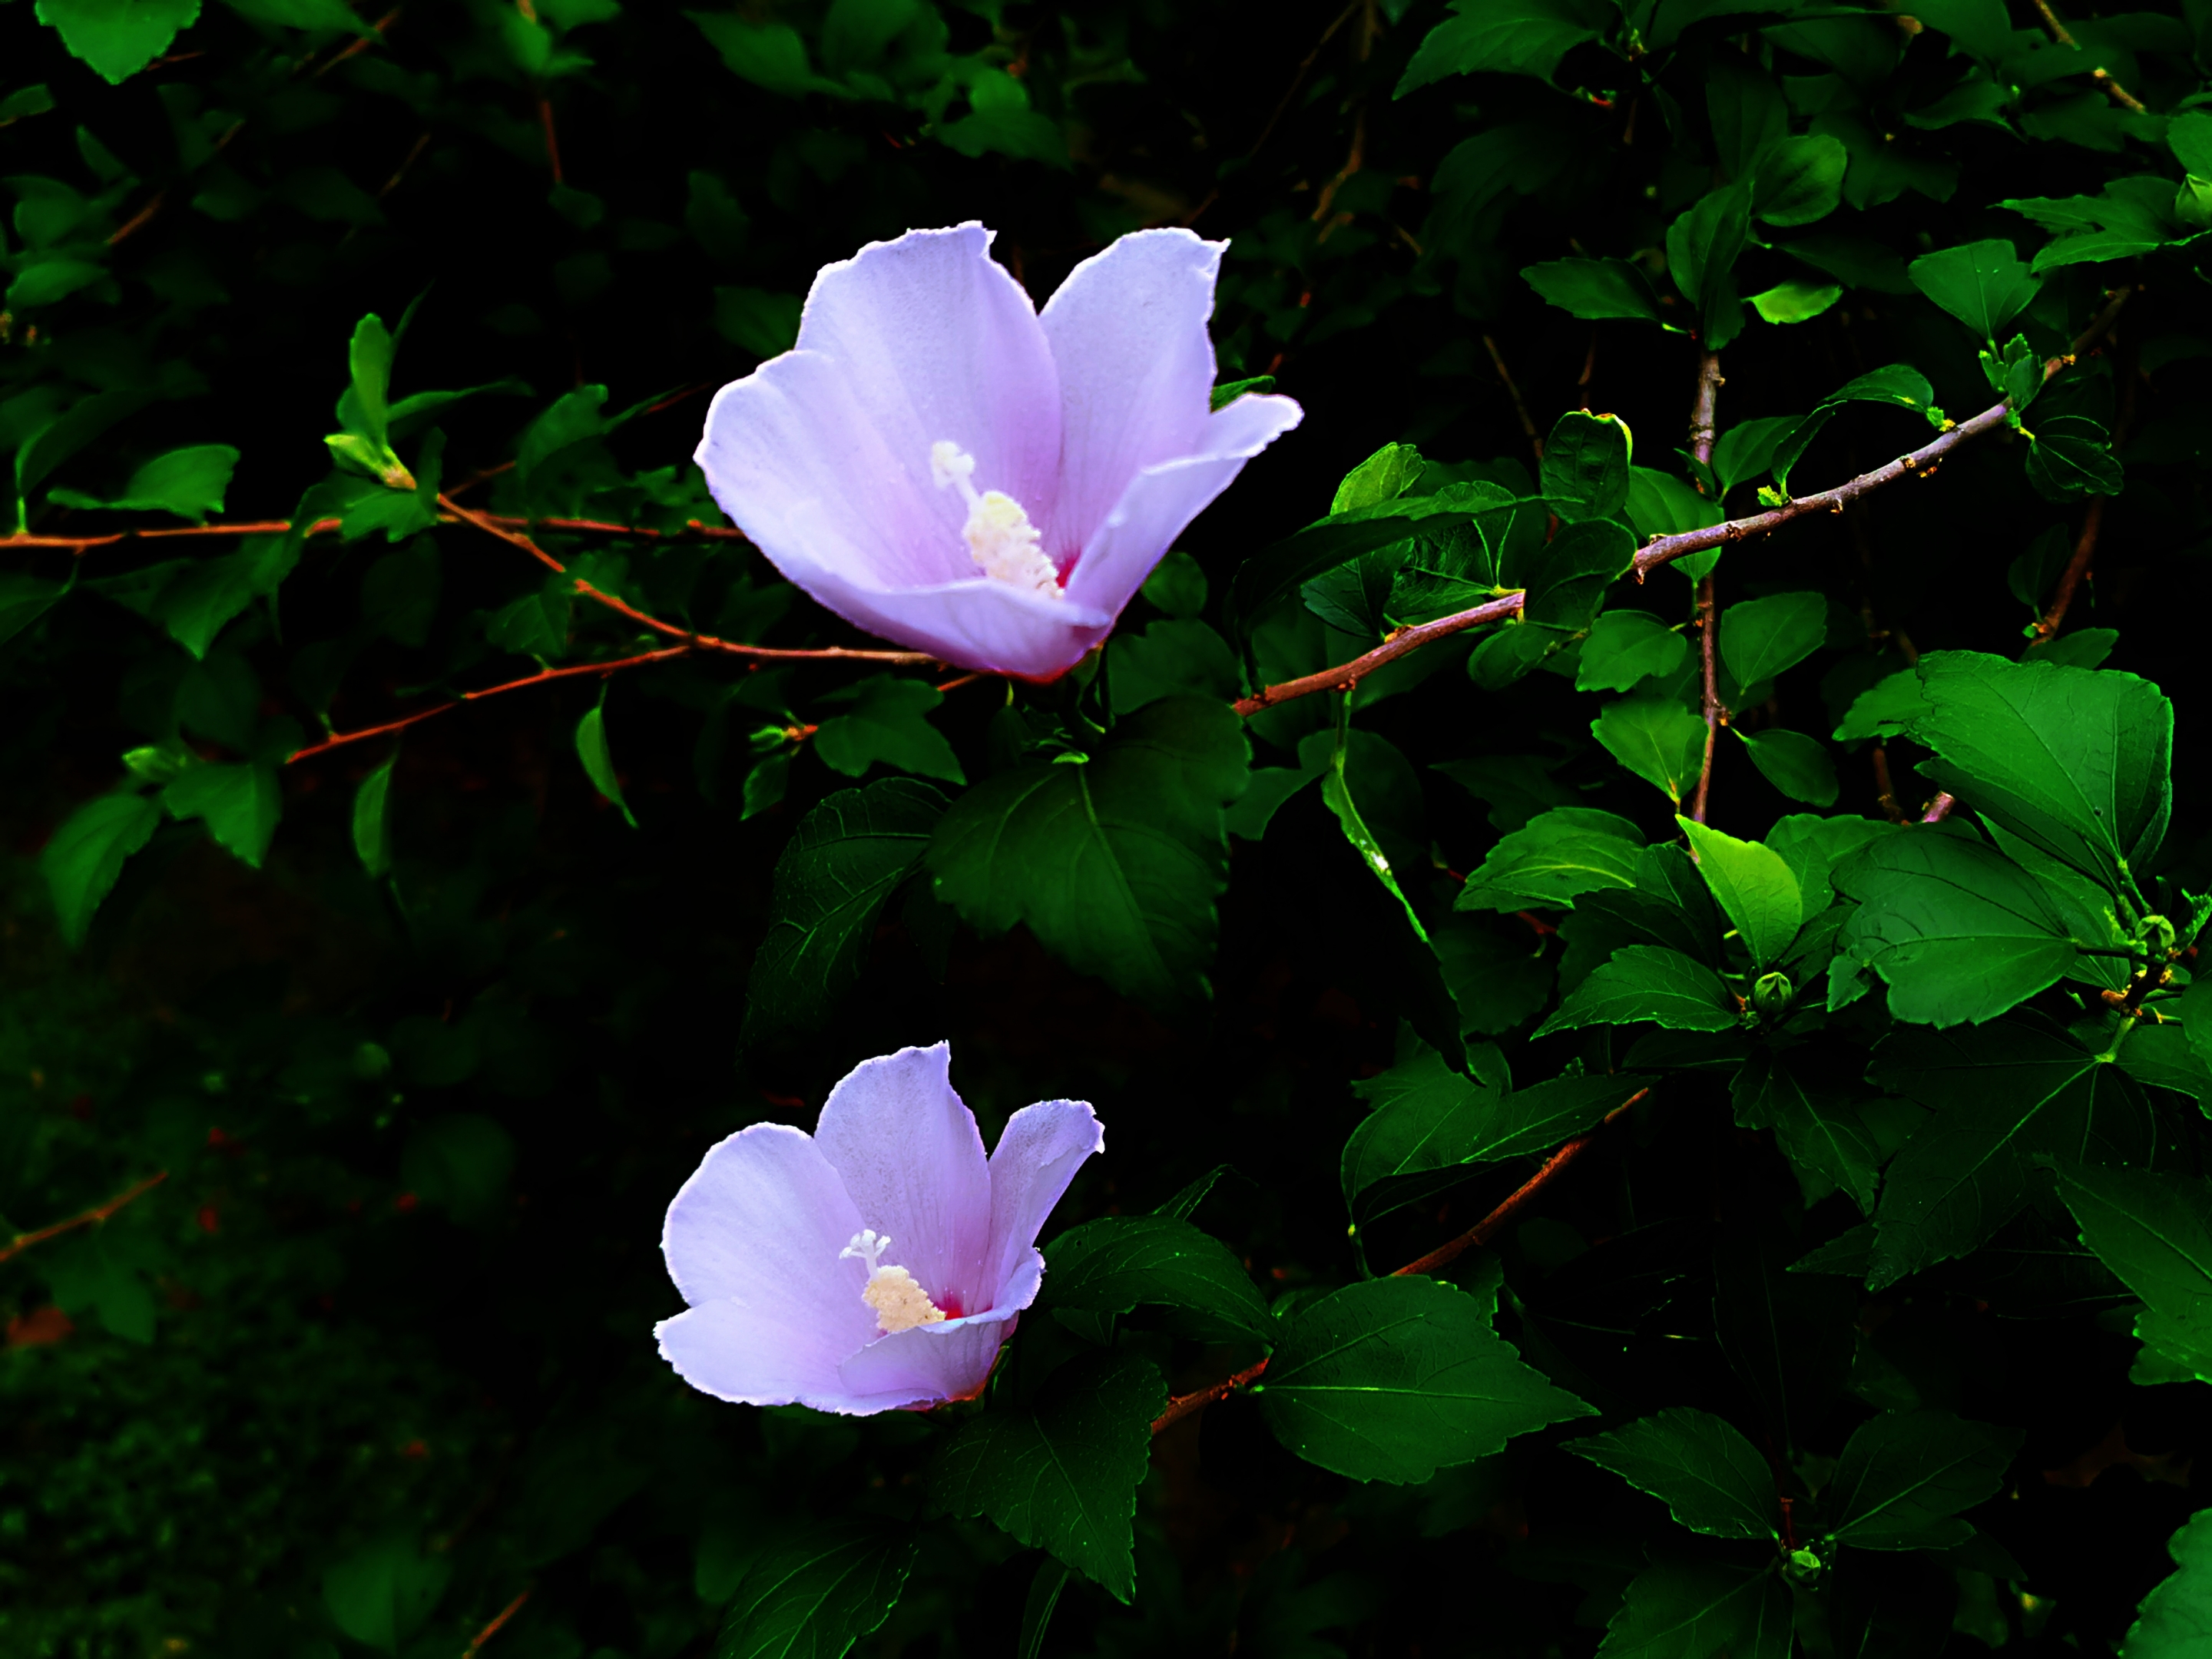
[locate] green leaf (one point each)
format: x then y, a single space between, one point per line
755 321
86 856
1958 930
1327 543
1113 862
240 805
1754 885
1567 576
383 1592
1117 1262
189 482
1761 638
1597 288
1504 37
1796 301
1796 763
1427 1122
1061 1474
535 625
2072 456
1644 982
368 360
1387 474
1698 1465
1702 247
598 758
25 598
1816 1124
1700 1610
888 723
1983 284
1798 181
1625 648
2073 761
1227 392
1904 1475
1497 972
2002 1096
201 601
1177 657
1813 847
812 1593
371 819
2175 1619
1552 859
831 883
118 38
1656 738
1895 384
1395 1378
1177 584
1585 473
1660 504
2154 1232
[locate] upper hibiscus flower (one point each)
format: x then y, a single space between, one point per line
879 1262
944 465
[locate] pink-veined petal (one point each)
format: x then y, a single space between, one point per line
1128 332
1162 499
908 1153
1036 1156
943 346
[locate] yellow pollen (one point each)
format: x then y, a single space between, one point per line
896 1296
1000 537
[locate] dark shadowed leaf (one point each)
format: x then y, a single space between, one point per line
1682 1609
1113 1264
811 1595
1698 1465
2156 1233
1903 1477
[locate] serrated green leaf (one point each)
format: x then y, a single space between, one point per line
202 600
383 1592
2072 456
189 482
1114 863
1903 1477
1061 1474
239 804
1597 290
837 870
1553 859
2000 1095
1395 1378
1794 763
812 1593
2175 1619
1118 1262
371 819
1798 181
1585 473
24 598
1643 982
1656 738
2154 1232
1761 638
1702 1610
1698 1465
1983 284
888 723
86 856
118 38
1816 1124
1754 885
1625 648
1504 37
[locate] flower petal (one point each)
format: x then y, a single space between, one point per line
795 458
770 1351
1128 331
943 345
1036 1158
909 1154
947 1361
1163 499
763 1220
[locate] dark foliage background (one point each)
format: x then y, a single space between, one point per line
374 1360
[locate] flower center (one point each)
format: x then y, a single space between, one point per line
1000 535
896 1296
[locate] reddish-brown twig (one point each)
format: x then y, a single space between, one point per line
91 1217
1704 423
2085 549
499 1620
1488 1228
1664 550
574 670
964 679
694 531
1520 408
1184 1404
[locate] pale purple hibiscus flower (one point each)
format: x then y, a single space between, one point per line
879 1262
942 464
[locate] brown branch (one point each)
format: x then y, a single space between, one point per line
1183 1405
693 531
574 670
552 139
91 1217
1488 1227
499 1620
362 44
2061 35
1527 426
1345 676
2077 568
1703 420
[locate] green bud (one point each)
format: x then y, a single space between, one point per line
1772 995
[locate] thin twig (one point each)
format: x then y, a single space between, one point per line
1940 808
1527 426
1485 1230
2084 549
1704 423
574 670
964 679
2061 35
692 532
91 1217
1305 68
552 139
1664 550
2057 29
493 1629
1183 1405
